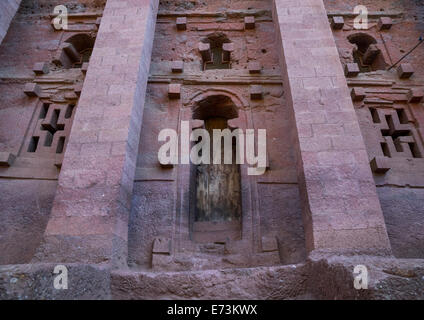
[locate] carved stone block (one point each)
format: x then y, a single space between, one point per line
177 66
205 51
162 246
32 90
380 165
372 52
71 52
351 69
415 95
405 70
269 244
249 22
337 23
357 94
227 48
6 159
256 92
384 23
254 67
174 91
40 68
182 23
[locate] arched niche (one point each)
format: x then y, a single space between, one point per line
74 51
217 210
366 52
218 108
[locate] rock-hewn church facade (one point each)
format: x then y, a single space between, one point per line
81 109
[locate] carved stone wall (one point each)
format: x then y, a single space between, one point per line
40 84
80 180
163 209
390 109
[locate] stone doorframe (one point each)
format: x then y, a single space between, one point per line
250 226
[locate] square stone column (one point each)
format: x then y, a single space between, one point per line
8 9
341 209
89 219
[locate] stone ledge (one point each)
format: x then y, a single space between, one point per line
389 278
6 159
371 14
30 168
219 14
35 282
282 282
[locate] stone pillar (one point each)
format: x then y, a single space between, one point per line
89 219
341 210
8 9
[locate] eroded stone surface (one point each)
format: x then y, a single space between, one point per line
397 163
92 118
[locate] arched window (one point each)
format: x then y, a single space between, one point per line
366 53
216 51
75 51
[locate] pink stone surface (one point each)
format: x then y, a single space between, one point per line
405 70
254 67
385 23
177 66
8 10
337 22
182 23
32 90
325 170
98 182
40 68
109 203
357 94
249 22
351 69
415 95
256 92
174 90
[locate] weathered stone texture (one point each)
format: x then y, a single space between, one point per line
92 204
340 205
404 216
162 203
28 179
389 278
35 281
8 10
390 113
24 217
80 180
